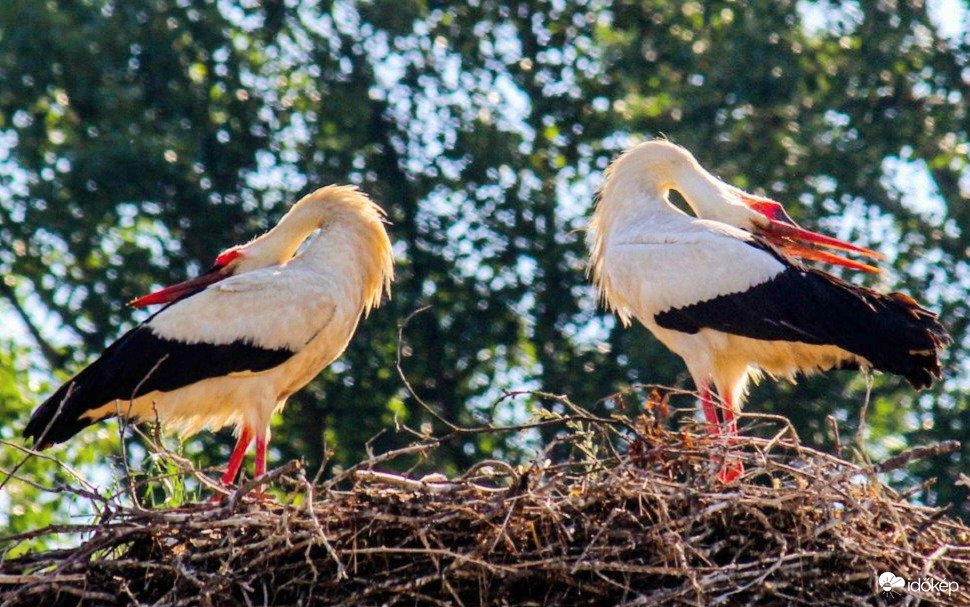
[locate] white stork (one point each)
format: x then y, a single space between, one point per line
236 342
723 291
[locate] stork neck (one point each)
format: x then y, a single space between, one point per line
640 180
352 252
282 241
700 189
333 250
634 192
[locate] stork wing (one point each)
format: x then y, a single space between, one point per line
245 324
658 271
740 285
273 308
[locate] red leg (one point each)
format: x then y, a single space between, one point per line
710 412
238 453
262 441
733 467
730 422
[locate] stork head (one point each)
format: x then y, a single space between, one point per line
330 206
229 262
774 223
659 166
275 247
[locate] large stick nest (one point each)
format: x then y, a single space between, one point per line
631 514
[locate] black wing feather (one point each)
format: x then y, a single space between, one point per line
893 332
138 363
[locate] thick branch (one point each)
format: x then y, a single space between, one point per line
55 358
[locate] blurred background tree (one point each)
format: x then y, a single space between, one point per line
139 138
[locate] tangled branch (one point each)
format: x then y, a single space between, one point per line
632 515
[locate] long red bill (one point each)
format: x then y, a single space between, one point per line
797 233
804 252
798 241
182 289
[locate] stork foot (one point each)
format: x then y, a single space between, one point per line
218 498
257 494
263 497
731 470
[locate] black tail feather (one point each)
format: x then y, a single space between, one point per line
909 341
53 421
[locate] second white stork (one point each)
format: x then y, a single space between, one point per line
723 291
236 342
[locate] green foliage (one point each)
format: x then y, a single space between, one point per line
147 135
33 497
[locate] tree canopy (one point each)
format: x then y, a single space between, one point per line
139 138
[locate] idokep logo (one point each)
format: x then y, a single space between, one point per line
890 583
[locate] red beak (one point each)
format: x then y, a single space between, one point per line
218 272
796 240
180 290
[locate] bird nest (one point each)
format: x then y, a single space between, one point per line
613 512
